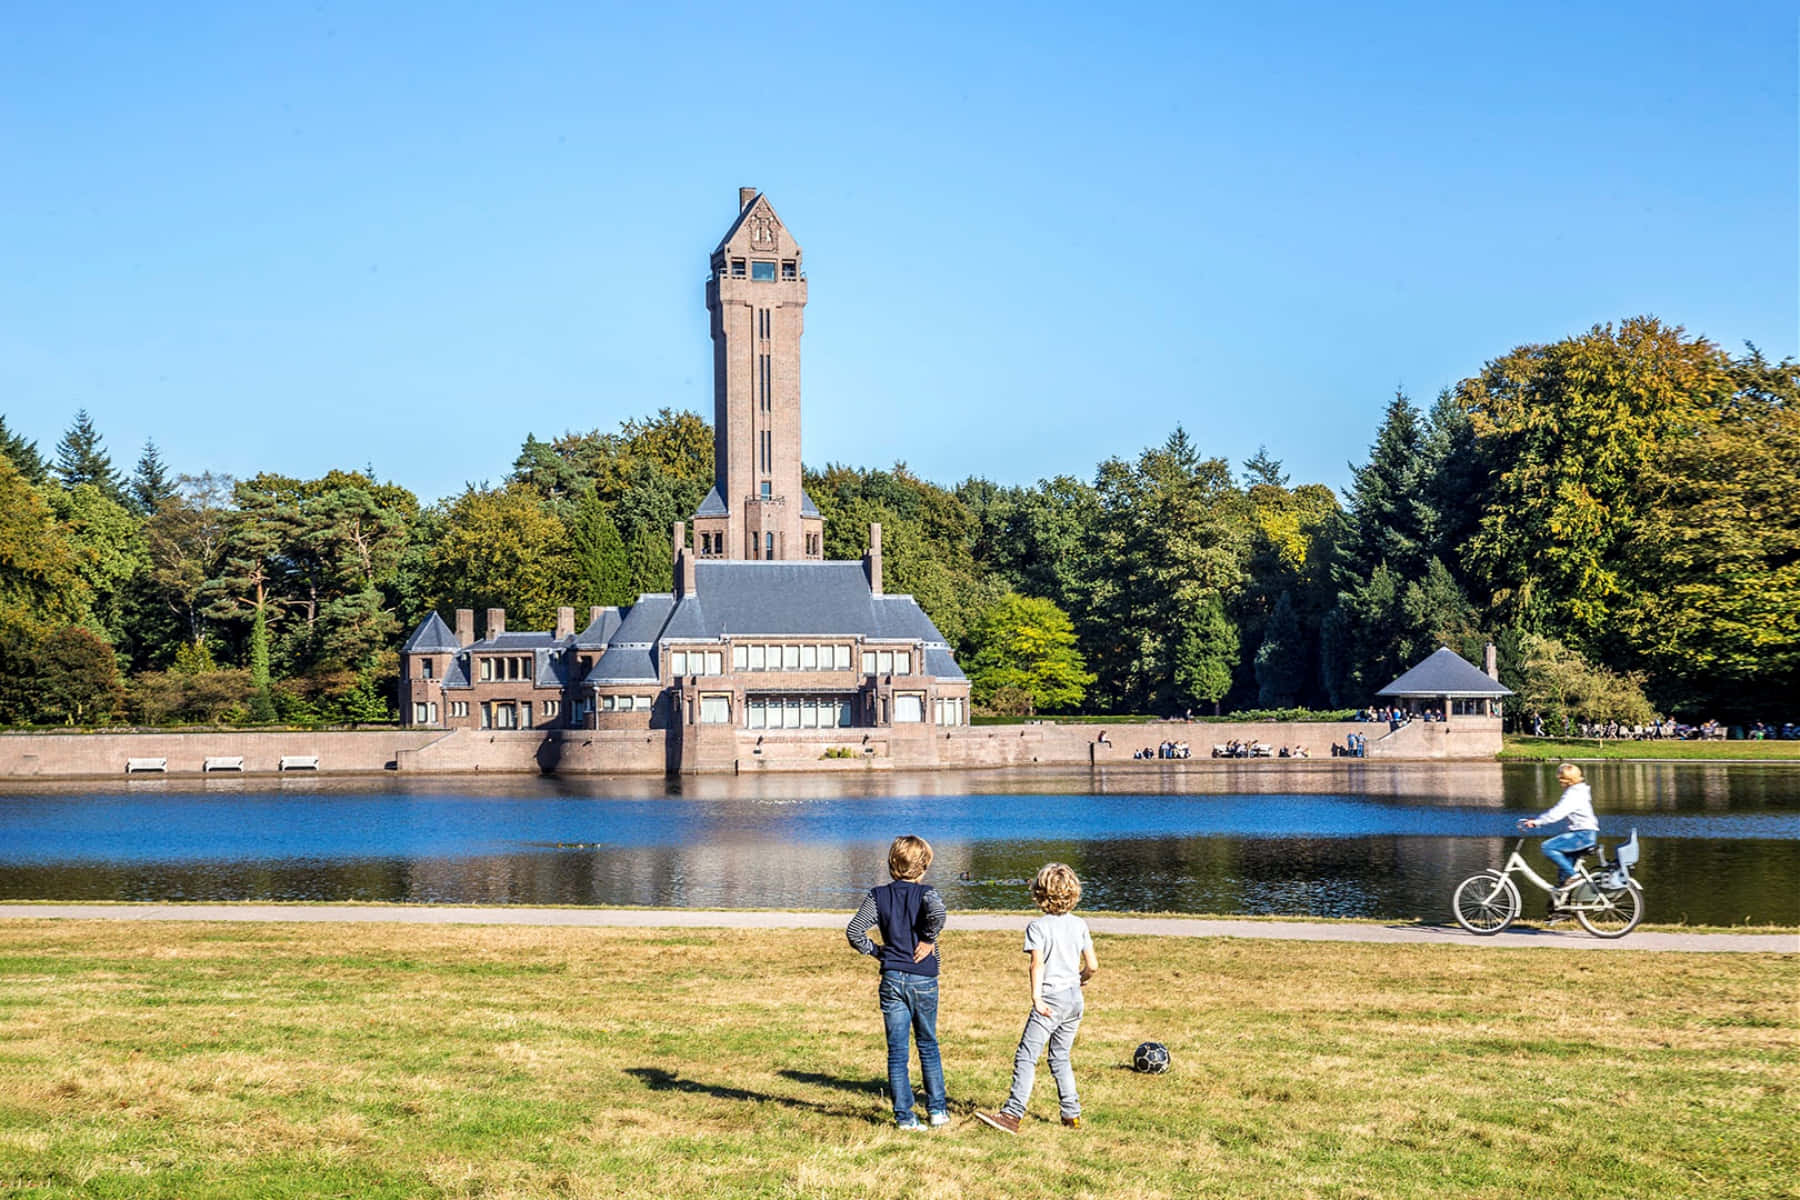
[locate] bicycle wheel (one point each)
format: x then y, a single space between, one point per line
1618 912
1486 903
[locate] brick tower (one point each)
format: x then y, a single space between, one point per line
756 294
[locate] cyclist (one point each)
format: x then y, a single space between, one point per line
1577 807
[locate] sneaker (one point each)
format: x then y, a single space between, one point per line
1071 1122
939 1118
912 1126
1005 1122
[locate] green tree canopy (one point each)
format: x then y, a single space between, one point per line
1022 651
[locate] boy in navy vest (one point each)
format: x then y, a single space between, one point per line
910 917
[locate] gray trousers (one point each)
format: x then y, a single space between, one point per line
1057 1031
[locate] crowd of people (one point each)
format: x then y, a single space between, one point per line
1166 750
1668 728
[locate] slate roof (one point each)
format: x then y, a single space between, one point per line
431 637
807 507
743 598
600 631
1445 673
625 664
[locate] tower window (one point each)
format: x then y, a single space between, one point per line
769 546
762 272
737 267
789 270
768 490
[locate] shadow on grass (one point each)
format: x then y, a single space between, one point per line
876 1087
657 1079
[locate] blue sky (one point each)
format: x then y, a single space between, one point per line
292 237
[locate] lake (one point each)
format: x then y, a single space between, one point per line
1721 842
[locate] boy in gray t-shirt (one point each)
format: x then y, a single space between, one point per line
1062 960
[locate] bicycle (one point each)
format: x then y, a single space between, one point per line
1608 904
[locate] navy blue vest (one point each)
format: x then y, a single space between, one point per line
900 906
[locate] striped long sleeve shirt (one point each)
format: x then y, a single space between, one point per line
913 913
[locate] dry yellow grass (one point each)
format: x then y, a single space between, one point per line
289 1060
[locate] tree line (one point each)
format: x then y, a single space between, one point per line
1618 511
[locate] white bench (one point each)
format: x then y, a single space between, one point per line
223 762
299 762
133 765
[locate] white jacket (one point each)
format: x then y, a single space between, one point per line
1577 804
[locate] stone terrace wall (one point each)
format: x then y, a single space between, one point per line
620 751
570 751
103 755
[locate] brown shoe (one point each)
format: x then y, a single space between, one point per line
1005 1122
1072 1122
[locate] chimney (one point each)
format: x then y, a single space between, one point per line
685 572
745 196
872 560
1490 662
565 622
465 627
594 612
496 624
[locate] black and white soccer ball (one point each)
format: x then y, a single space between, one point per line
1151 1058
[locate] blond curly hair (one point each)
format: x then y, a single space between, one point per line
1056 888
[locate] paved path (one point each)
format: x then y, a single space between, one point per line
650 918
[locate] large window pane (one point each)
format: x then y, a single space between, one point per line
903 662
868 662
842 657
884 662
809 658
715 710
909 708
740 658
809 713
756 658
678 663
715 662
790 658
846 714
759 716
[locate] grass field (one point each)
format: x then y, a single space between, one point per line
272 1060
1530 749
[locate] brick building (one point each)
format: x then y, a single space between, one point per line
761 639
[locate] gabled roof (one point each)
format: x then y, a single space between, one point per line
807 507
743 215
1445 673
431 637
713 506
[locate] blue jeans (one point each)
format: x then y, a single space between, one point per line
1559 848
1057 1032
909 1002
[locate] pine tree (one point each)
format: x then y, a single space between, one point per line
1264 470
151 482
1204 655
24 455
652 567
262 700
1281 659
80 458
599 562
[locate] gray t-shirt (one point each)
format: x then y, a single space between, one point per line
1060 939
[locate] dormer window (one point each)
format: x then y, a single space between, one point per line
762 272
737 267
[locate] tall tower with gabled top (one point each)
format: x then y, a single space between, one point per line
756 294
